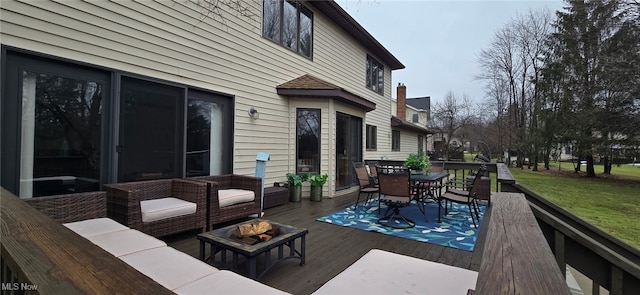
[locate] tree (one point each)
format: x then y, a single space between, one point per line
594 44
450 117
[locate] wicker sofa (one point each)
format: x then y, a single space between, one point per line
219 209
124 205
85 214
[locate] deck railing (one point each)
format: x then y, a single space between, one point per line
604 259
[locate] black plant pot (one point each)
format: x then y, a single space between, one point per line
316 194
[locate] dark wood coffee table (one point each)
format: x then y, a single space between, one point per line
221 240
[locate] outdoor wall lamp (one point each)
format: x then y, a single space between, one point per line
253 113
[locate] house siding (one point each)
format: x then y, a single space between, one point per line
174 41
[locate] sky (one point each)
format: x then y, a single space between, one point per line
439 41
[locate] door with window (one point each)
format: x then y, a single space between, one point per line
348 148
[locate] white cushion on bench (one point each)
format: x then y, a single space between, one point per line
381 272
126 242
158 209
228 197
94 227
170 267
226 282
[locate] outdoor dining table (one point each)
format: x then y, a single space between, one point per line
423 183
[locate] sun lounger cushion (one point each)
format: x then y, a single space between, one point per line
170 267
228 197
226 282
163 208
381 272
95 227
125 242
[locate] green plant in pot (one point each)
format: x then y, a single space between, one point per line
418 163
295 186
317 181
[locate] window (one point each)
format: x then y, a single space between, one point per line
420 143
395 140
308 140
416 118
290 24
372 138
375 75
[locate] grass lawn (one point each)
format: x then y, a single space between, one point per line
610 202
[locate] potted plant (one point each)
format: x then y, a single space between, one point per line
418 163
295 186
317 181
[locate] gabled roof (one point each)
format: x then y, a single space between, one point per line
396 122
310 86
340 17
420 103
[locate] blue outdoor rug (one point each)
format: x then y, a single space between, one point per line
456 229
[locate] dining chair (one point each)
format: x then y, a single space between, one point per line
396 192
467 197
365 184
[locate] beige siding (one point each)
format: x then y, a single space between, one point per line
174 41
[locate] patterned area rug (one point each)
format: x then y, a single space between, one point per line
456 229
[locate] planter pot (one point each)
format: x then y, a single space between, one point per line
316 194
295 193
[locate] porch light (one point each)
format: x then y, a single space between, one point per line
253 113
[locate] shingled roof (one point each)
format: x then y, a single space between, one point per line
310 86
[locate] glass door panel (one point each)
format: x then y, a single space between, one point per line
348 148
60 135
204 138
150 142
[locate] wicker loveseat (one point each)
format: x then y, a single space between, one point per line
124 205
217 213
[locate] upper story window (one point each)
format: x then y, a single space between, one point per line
375 75
290 24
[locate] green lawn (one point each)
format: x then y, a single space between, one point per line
622 170
608 203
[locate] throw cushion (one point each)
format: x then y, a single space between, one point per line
158 209
228 197
94 227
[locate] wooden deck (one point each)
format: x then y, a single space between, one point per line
331 248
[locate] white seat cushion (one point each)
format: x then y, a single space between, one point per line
381 272
158 209
125 242
226 282
94 227
170 267
228 197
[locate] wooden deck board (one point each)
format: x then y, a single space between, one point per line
330 248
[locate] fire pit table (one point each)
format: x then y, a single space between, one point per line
224 239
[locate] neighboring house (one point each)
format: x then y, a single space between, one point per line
409 125
98 92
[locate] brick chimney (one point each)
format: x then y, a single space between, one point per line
401 102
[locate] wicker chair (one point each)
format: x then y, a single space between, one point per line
217 214
72 207
123 204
